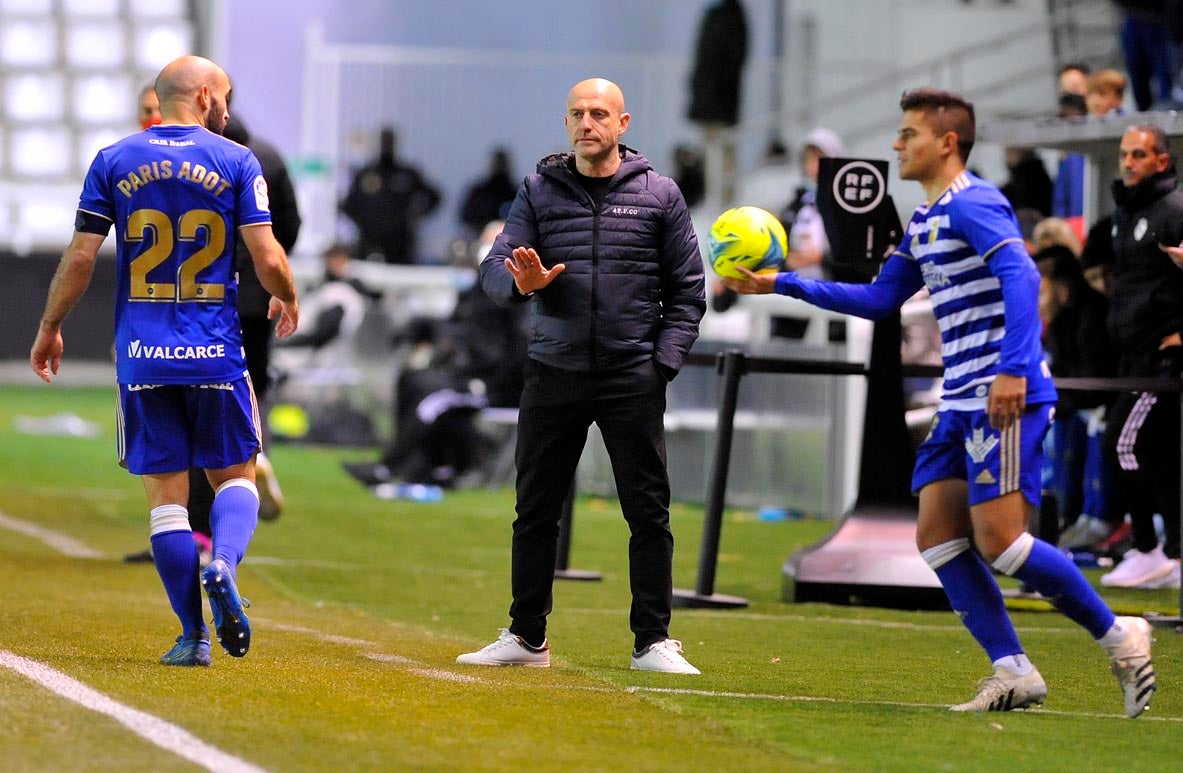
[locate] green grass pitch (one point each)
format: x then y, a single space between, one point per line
361 606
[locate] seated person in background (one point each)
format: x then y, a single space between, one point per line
334 310
472 360
436 439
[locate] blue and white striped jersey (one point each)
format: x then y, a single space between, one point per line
958 243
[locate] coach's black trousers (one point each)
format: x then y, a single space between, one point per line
1142 448
557 408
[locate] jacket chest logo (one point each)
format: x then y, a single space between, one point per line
1140 229
625 211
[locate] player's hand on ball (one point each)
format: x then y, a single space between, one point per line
289 316
752 283
528 272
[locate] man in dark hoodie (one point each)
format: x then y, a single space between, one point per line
1145 320
603 250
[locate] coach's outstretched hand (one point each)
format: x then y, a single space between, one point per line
752 283
528 272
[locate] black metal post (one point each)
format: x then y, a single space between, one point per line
731 363
563 557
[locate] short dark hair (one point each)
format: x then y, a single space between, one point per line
948 111
1161 144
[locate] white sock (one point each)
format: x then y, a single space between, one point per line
1016 664
1114 636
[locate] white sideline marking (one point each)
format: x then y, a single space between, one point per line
62 543
383 657
312 562
164 734
447 676
328 637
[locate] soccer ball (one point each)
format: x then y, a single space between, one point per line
749 237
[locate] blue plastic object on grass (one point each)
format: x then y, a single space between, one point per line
416 492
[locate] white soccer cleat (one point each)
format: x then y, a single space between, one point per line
1131 664
270 495
508 650
665 655
1138 568
1005 691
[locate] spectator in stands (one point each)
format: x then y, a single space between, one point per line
1029 185
603 250
1145 321
690 173
333 311
809 248
1146 50
1055 231
149 107
716 80
1096 260
978 472
1074 79
387 199
489 197
1106 93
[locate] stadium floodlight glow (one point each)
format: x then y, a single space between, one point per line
72 8
27 7
96 44
102 99
34 97
158 44
28 43
90 143
171 9
40 152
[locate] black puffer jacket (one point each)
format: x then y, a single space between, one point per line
633 288
1147 293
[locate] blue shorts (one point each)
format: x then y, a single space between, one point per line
174 427
963 445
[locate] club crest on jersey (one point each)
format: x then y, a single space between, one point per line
1140 229
933 276
261 199
980 446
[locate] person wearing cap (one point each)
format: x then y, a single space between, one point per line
808 245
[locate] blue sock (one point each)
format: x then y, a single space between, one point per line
233 517
1049 571
175 554
975 597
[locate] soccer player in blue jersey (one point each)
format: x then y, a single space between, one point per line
978 471
177 194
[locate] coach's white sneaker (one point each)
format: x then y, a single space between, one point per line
665 655
1006 690
508 650
1131 664
1138 568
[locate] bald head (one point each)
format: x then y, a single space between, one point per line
193 89
598 88
595 121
